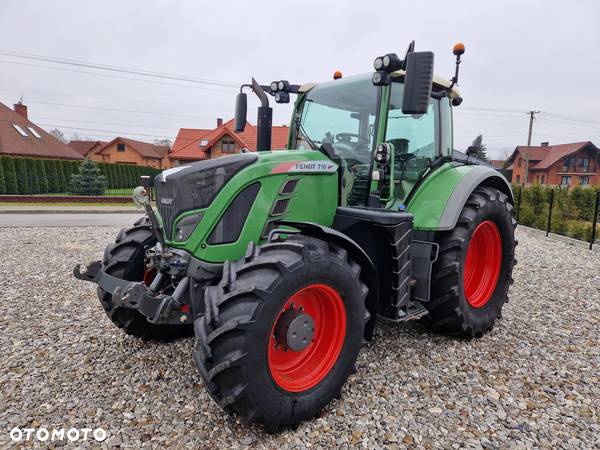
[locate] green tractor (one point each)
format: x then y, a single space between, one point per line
282 262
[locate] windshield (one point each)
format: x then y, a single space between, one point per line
341 113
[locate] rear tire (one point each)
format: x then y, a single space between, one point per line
242 369
467 294
125 259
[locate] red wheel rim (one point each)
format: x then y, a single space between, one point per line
304 369
482 264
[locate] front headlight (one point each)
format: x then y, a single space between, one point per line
186 226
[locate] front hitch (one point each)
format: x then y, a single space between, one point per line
157 308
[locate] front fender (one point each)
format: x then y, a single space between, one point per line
438 202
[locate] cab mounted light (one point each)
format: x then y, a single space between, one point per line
382 153
283 85
273 86
391 62
282 97
378 63
337 75
381 78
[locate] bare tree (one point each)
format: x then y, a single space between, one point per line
58 135
165 142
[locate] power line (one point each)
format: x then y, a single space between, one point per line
105 131
103 123
102 108
111 68
114 76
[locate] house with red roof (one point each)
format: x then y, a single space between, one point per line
562 165
22 138
124 151
194 144
86 148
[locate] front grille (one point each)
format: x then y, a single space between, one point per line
165 203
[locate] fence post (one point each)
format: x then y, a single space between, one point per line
595 219
551 201
519 202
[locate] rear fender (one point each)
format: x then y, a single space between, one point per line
438 202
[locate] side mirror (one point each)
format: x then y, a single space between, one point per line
417 82
241 109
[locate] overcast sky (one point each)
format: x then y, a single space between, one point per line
520 55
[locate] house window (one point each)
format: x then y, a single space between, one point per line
585 164
565 181
584 181
568 163
203 142
227 146
120 147
543 176
20 130
34 132
519 162
518 179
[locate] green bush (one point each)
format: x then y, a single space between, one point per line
41 176
10 175
32 176
22 178
580 230
52 174
62 185
2 180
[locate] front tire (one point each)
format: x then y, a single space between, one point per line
473 272
125 259
245 340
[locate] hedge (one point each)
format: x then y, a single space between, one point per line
53 176
10 175
572 210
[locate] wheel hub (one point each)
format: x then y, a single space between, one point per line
294 330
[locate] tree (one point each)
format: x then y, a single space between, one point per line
10 176
89 180
480 148
58 135
41 175
22 178
165 142
62 185
52 175
34 181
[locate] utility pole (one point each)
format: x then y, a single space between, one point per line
531 117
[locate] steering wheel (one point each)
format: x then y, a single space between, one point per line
347 137
403 158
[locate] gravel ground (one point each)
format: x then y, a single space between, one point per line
533 382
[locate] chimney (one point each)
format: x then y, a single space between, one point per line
545 144
219 122
20 109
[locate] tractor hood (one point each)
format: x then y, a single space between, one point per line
195 185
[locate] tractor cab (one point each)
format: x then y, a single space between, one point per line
386 131
343 118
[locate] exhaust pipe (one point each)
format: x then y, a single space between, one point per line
264 119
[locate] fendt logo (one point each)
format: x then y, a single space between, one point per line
306 166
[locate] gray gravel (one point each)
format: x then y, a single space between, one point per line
533 382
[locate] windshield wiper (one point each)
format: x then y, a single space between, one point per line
311 143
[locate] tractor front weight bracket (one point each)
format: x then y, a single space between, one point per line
157 308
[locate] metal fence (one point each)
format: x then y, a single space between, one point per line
572 212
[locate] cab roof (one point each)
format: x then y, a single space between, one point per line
440 81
